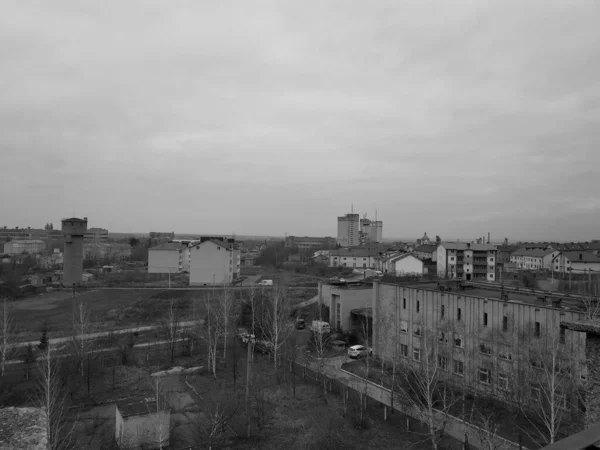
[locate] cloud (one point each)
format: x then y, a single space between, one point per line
256 116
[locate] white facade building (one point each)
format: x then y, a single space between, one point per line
357 258
31 246
466 260
405 264
214 262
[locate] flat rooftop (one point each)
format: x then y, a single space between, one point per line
494 293
351 286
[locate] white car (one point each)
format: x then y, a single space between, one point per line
359 351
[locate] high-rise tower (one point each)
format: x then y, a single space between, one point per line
73 230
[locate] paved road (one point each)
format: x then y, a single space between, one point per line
196 288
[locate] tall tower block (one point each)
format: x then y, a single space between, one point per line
73 230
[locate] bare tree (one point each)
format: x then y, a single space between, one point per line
277 327
487 431
161 422
220 409
589 301
7 336
171 327
253 302
547 406
424 386
211 330
81 328
51 397
228 309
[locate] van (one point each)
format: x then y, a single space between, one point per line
319 326
266 283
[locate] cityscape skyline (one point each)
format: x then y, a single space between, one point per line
259 119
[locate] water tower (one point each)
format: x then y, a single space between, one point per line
73 231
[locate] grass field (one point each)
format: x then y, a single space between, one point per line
111 309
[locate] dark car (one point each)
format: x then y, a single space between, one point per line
300 324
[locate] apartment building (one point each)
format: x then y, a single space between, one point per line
467 261
534 259
214 261
96 235
171 257
348 231
580 262
371 231
305 243
30 246
483 341
358 258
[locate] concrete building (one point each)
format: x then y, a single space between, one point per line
73 230
347 304
534 259
580 262
97 235
426 251
358 258
467 261
23 233
30 246
171 257
405 264
505 250
214 262
348 231
304 243
371 231
483 342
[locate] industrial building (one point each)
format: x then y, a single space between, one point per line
73 230
96 235
214 261
305 243
30 246
171 257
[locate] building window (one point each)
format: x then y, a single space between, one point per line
504 323
485 349
417 330
537 329
443 337
404 350
403 326
485 319
404 303
458 340
503 381
562 337
484 375
442 362
535 393
443 311
503 354
418 306
417 354
458 314
458 367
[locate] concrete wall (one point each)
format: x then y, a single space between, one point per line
164 261
441 261
209 259
510 349
407 266
592 387
147 430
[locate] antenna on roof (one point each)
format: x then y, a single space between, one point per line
352 208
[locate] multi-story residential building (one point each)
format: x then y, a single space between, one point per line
426 251
348 231
96 235
214 262
305 243
484 341
171 257
534 259
24 233
359 257
467 261
30 246
161 235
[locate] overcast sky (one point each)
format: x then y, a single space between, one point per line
271 117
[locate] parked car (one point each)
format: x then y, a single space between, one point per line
359 351
265 283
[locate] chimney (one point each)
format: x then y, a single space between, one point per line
489 237
505 241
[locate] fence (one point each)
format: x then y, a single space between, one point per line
358 391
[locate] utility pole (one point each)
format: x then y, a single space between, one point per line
590 281
570 270
248 358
